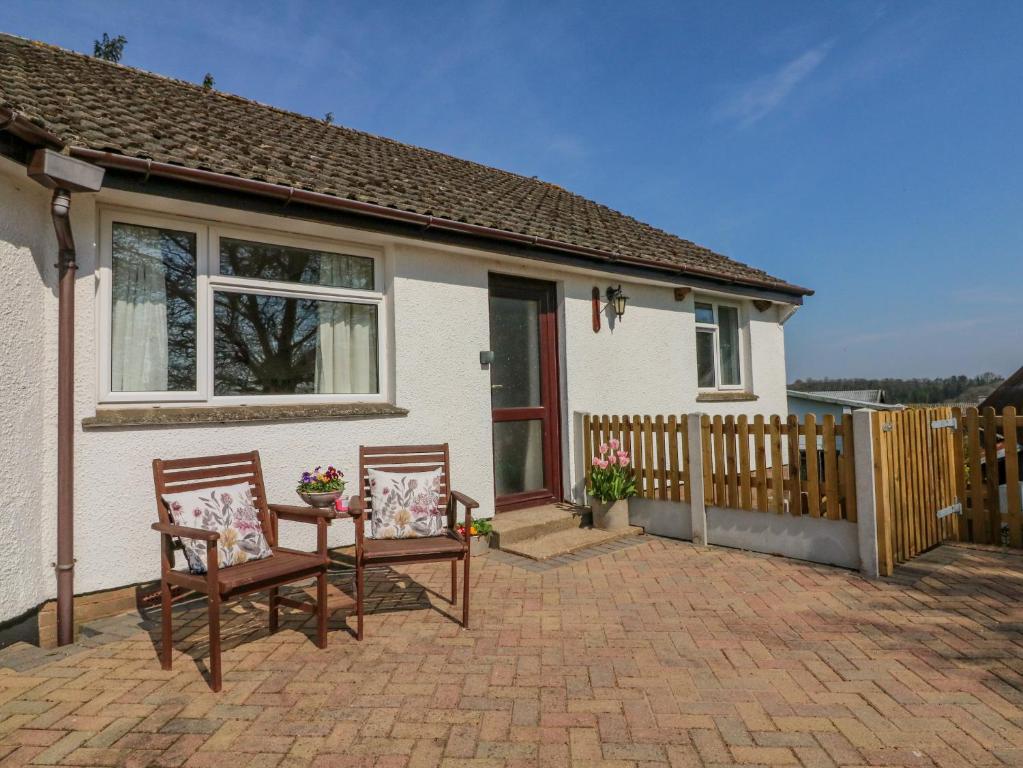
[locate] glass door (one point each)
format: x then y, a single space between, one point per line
524 392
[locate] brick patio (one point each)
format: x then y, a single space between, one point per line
657 653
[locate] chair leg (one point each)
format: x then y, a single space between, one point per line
214 620
465 592
167 630
454 582
321 610
359 589
275 608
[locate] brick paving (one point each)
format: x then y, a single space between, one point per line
660 653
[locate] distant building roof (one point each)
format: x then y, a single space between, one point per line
860 395
840 398
1009 392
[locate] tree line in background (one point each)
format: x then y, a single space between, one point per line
939 390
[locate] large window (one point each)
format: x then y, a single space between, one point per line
199 313
718 355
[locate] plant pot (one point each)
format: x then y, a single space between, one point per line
320 500
478 544
610 515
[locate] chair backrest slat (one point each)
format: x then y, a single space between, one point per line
403 458
199 472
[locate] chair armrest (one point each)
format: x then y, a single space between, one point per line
469 504
356 507
301 514
186 533
465 501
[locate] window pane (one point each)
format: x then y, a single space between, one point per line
263 261
518 456
273 345
515 340
728 338
705 358
153 310
704 313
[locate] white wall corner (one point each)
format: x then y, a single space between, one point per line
866 499
697 507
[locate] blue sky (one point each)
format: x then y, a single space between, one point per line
869 150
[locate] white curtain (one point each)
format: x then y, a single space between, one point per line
346 345
139 332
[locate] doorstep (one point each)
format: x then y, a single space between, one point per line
568 541
540 533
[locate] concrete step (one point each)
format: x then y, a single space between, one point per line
566 541
523 524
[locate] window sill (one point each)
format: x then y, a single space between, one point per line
207 414
726 397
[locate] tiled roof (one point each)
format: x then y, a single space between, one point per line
1009 392
98 105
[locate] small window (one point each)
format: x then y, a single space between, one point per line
718 353
153 309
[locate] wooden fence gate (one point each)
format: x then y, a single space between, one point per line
915 476
942 474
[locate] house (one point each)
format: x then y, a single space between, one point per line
1009 392
837 403
188 272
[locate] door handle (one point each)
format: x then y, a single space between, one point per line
497 386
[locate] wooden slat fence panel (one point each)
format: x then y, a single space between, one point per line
658 449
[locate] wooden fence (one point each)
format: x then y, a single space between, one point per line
658 447
771 465
759 464
939 473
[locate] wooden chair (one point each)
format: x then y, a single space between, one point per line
449 546
222 584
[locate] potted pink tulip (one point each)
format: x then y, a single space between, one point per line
612 483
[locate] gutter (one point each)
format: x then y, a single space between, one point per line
290 194
24 128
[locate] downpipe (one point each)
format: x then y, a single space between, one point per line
60 210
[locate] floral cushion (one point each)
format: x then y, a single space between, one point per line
231 512
405 505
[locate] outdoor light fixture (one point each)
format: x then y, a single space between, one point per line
617 299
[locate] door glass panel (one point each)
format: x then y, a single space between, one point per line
515 341
518 456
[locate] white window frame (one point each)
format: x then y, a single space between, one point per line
209 280
714 328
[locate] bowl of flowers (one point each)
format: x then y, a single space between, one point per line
321 488
479 536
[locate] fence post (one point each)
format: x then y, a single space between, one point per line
697 503
866 493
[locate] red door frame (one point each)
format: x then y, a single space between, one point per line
549 412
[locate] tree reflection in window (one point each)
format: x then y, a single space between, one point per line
265 261
280 345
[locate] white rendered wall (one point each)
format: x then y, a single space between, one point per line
439 320
28 323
